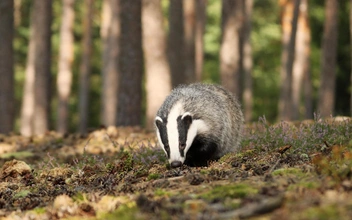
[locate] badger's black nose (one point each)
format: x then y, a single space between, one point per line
176 163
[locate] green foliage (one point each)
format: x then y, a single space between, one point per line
238 190
153 176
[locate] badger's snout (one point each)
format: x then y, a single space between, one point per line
175 164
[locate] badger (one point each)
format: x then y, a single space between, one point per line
198 123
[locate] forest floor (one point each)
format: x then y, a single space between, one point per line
297 170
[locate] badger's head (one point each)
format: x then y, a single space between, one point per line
177 132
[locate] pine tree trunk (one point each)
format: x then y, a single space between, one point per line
230 45
36 97
307 78
301 61
42 83
85 68
247 60
189 8
131 65
64 76
6 66
110 33
199 38
326 99
176 43
156 65
351 55
289 27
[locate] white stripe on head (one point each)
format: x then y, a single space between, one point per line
198 126
173 134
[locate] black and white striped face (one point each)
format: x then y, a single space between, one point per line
177 132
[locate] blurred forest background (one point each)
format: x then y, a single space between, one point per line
71 65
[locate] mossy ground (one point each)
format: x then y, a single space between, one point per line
283 171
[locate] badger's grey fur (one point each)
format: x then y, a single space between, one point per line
198 123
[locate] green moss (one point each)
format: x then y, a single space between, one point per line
153 176
127 211
22 194
39 210
240 190
288 171
17 155
322 213
161 192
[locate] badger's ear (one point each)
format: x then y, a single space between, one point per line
158 122
187 118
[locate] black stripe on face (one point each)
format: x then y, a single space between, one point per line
182 127
163 136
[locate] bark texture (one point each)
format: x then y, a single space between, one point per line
66 55
131 65
326 99
110 33
176 44
289 20
85 68
247 60
6 66
230 45
36 97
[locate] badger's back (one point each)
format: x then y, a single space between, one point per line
216 107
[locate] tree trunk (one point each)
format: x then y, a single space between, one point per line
247 59
176 45
110 33
326 100
131 65
17 12
156 65
199 37
307 78
85 68
289 28
247 62
230 45
66 54
302 56
6 66
351 55
36 96
189 7
42 86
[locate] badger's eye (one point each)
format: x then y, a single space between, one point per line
182 146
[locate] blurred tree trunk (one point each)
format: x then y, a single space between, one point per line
175 42
326 99
66 55
189 8
85 68
17 12
131 64
231 19
36 97
307 78
6 66
351 55
289 19
199 37
110 33
247 59
156 64
302 56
